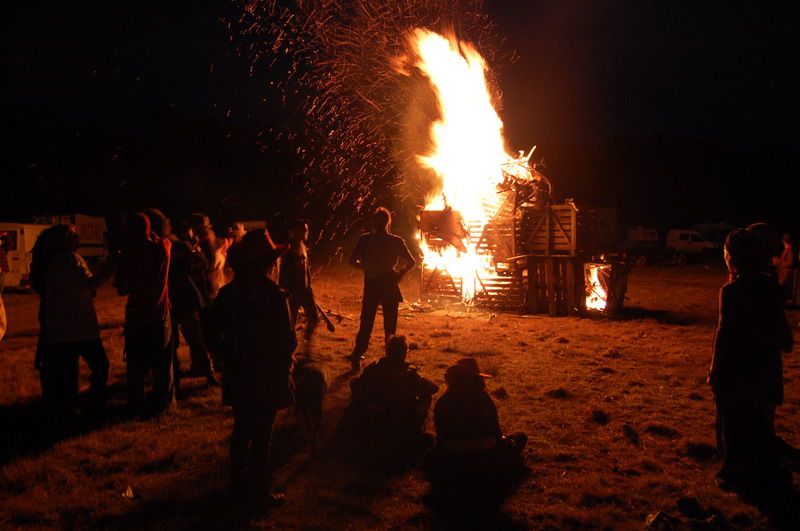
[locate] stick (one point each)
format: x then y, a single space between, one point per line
327 320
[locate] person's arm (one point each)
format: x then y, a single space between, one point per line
104 275
406 258
356 259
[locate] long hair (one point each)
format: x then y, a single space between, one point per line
49 243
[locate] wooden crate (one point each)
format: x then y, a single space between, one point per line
553 285
557 230
502 292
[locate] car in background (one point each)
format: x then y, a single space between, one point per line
691 245
642 247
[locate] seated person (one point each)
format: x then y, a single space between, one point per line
470 449
390 397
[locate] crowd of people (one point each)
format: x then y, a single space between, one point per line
236 299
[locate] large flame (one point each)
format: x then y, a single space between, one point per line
468 151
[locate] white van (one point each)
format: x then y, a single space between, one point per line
19 238
691 242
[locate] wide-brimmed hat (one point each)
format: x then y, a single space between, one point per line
199 219
255 252
465 367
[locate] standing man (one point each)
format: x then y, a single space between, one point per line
142 276
3 269
250 326
295 277
379 253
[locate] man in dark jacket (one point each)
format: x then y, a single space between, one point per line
746 372
250 326
142 276
378 254
391 399
186 300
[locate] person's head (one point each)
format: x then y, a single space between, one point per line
787 240
397 348
254 254
185 232
770 241
159 223
58 238
137 227
298 230
381 219
201 226
744 251
235 232
465 375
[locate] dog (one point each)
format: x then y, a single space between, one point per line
310 385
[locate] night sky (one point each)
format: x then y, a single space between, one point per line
673 112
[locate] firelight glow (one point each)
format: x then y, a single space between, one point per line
468 149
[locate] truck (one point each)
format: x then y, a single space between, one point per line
691 244
641 246
19 239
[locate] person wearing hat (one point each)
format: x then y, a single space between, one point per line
391 399
471 451
250 326
746 369
378 254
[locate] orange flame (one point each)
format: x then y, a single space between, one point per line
468 151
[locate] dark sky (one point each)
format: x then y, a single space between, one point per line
673 112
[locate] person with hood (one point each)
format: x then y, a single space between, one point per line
250 326
142 275
746 373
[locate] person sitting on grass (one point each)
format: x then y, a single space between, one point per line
746 369
391 400
471 455
250 326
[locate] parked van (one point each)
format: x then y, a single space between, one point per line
691 243
19 238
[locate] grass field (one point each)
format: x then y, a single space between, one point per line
618 414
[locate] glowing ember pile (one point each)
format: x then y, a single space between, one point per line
468 155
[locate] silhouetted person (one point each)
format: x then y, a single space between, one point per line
207 241
379 254
390 401
186 300
746 369
142 276
785 266
69 322
295 277
214 274
250 326
769 250
471 456
3 270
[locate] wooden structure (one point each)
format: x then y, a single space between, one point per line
538 251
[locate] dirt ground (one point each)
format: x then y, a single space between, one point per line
616 407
